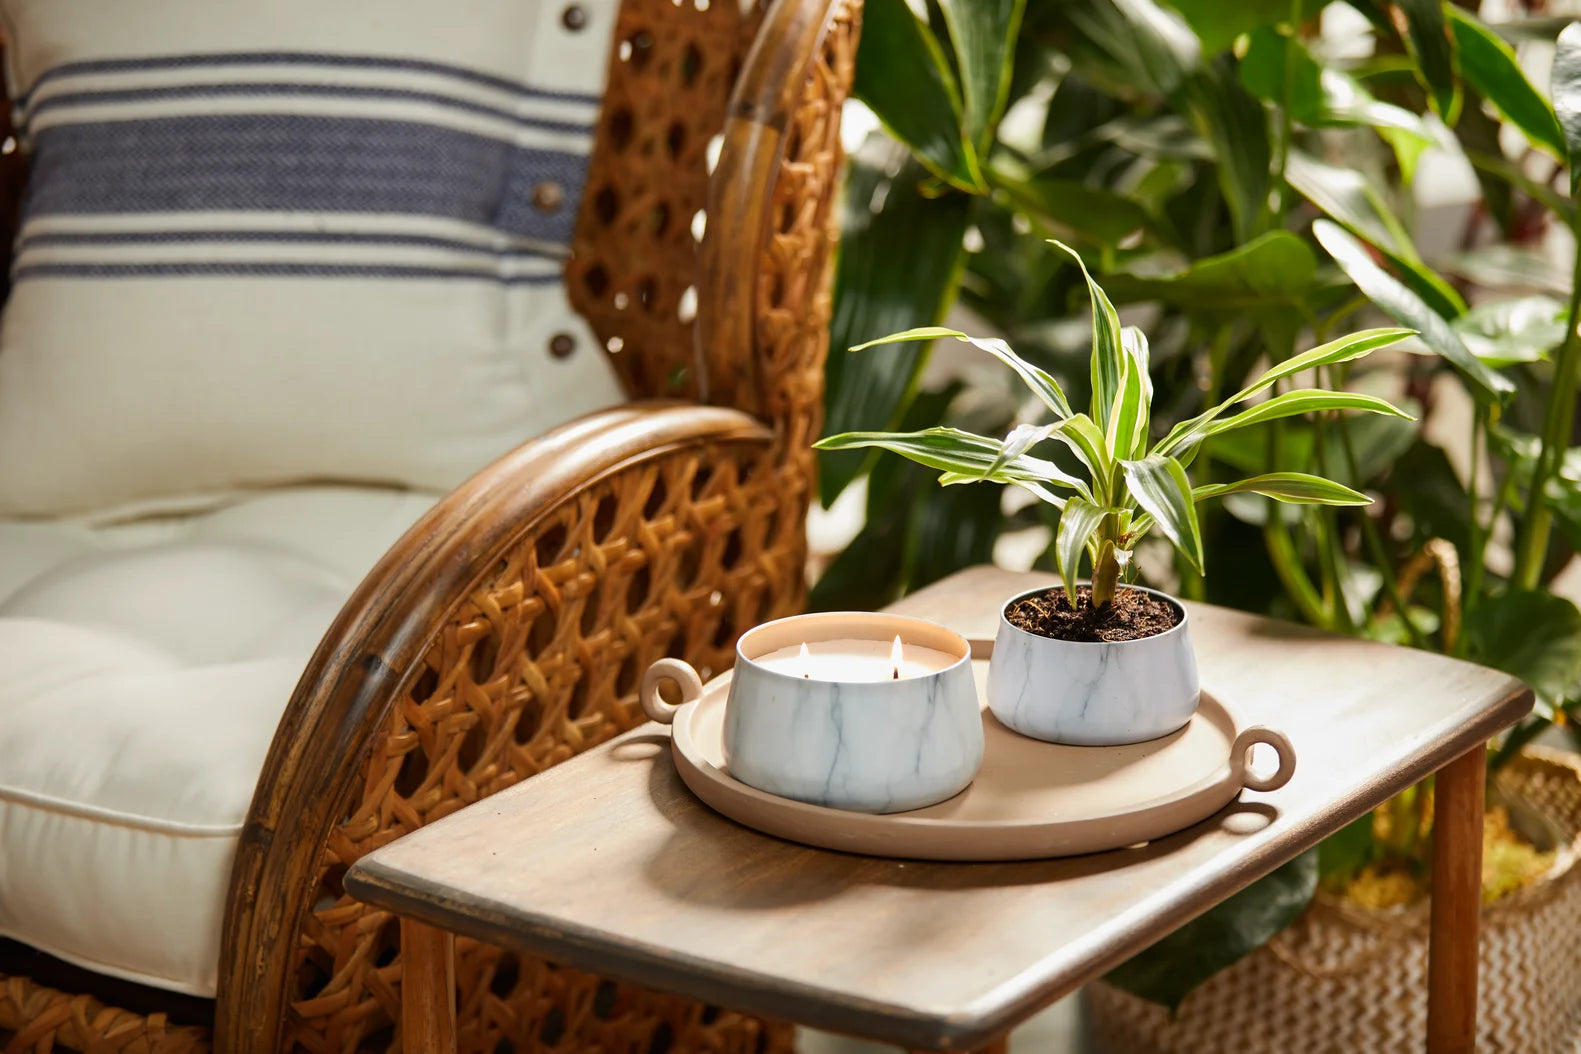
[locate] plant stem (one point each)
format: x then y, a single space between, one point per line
1558 418
1105 575
1331 547
1375 546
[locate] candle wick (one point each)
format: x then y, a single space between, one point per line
806 676
897 673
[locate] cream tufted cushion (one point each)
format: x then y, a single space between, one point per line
147 667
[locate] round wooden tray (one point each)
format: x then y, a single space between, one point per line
1030 800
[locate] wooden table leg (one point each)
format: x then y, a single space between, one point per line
1457 904
428 989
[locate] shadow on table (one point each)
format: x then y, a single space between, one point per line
709 859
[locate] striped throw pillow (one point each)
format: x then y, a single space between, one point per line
289 241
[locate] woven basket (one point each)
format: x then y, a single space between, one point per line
1347 979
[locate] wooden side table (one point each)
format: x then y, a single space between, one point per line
609 864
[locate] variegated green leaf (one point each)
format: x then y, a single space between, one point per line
1296 488
951 450
1021 439
1082 435
1045 387
1345 349
1160 487
1107 354
1300 401
1127 429
1076 526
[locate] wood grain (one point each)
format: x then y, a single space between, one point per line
1457 903
428 989
608 863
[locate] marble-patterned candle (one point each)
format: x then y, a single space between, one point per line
835 726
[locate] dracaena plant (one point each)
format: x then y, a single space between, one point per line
1125 485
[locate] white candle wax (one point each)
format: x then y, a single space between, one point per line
852 661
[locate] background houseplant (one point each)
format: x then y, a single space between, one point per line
1236 176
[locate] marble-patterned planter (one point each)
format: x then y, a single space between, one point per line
1093 693
866 746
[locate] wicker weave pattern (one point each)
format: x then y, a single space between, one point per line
543 659
1343 979
37 1016
675 557
539 663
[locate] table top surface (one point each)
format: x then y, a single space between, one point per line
608 863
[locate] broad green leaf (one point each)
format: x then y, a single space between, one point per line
1351 200
1345 852
1077 523
1070 209
1489 65
951 530
1297 488
1217 22
1277 68
983 33
901 73
1123 46
1519 329
1107 354
1405 307
1565 87
899 263
1160 487
1227 116
1532 634
1428 40
951 450
1167 972
1276 266
1343 349
1289 404
1045 387
1502 266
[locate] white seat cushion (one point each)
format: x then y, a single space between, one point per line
147 668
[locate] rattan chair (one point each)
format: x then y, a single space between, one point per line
507 630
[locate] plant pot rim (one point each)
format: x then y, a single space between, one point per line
1179 627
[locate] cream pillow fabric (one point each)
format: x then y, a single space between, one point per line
291 240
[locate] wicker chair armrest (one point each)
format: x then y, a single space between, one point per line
510 555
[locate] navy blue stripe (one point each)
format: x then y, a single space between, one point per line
275 89
297 58
301 163
252 237
268 270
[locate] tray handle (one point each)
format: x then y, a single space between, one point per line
1240 758
677 670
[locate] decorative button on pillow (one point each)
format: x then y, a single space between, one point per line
291 241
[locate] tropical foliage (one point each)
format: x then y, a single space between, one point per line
1242 179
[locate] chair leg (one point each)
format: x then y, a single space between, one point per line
1457 904
428 989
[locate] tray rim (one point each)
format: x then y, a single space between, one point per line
875 834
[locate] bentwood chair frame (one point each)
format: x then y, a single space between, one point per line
507 630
